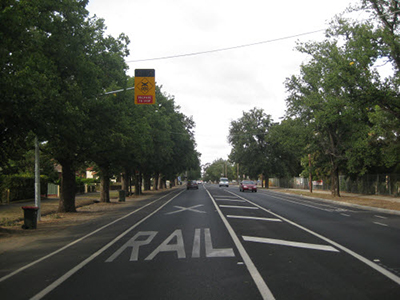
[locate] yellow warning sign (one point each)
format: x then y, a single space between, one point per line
145 86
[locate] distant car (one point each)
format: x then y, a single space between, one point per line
247 185
192 184
223 182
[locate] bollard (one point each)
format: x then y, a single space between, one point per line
121 196
30 217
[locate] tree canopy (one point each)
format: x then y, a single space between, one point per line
57 65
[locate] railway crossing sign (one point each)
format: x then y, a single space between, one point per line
145 86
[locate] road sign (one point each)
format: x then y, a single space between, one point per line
145 86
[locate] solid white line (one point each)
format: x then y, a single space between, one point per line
75 242
366 261
254 218
233 206
381 224
289 243
259 281
75 269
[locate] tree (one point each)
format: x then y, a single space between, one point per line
287 141
250 146
320 97
55 63
219 168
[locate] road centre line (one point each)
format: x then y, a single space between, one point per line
366 261
77 241
75 269
289 243
233 206
257 278
254 218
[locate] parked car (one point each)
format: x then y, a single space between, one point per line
247 185
192 184
223 182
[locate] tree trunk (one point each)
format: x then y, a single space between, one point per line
104 188
156 181
68 186
147 182
335 188
138 185
125 182
266 181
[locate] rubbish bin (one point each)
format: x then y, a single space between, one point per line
30 217
121 196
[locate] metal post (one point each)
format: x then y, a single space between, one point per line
37 179
310 173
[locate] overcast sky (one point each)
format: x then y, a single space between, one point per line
215 88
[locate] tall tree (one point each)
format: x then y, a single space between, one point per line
56 62
250 147
320 97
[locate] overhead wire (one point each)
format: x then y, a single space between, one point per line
225 49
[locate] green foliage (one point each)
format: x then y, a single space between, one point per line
21 186
219 168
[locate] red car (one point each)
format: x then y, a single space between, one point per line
248 185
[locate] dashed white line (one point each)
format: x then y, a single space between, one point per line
368 262
243 207
254 218
264 290
380 217
381 224
289 243
345 215
232 200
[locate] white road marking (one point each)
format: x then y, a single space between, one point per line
381 217
381 224
257 278
75 269
346 215
289 243
232 200
192 208
165 246
211 252
135 245
254 218
196 243
368 262
243 207
77 241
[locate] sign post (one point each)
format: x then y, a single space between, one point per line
145 86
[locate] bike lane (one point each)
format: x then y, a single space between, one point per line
181 251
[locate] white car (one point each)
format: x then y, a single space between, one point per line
223 182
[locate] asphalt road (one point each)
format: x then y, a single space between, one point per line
215 243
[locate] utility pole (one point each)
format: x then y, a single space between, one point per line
37 178
310 172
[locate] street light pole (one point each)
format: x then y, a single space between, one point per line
37 178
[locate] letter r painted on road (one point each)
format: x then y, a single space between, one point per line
135 245
165 246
